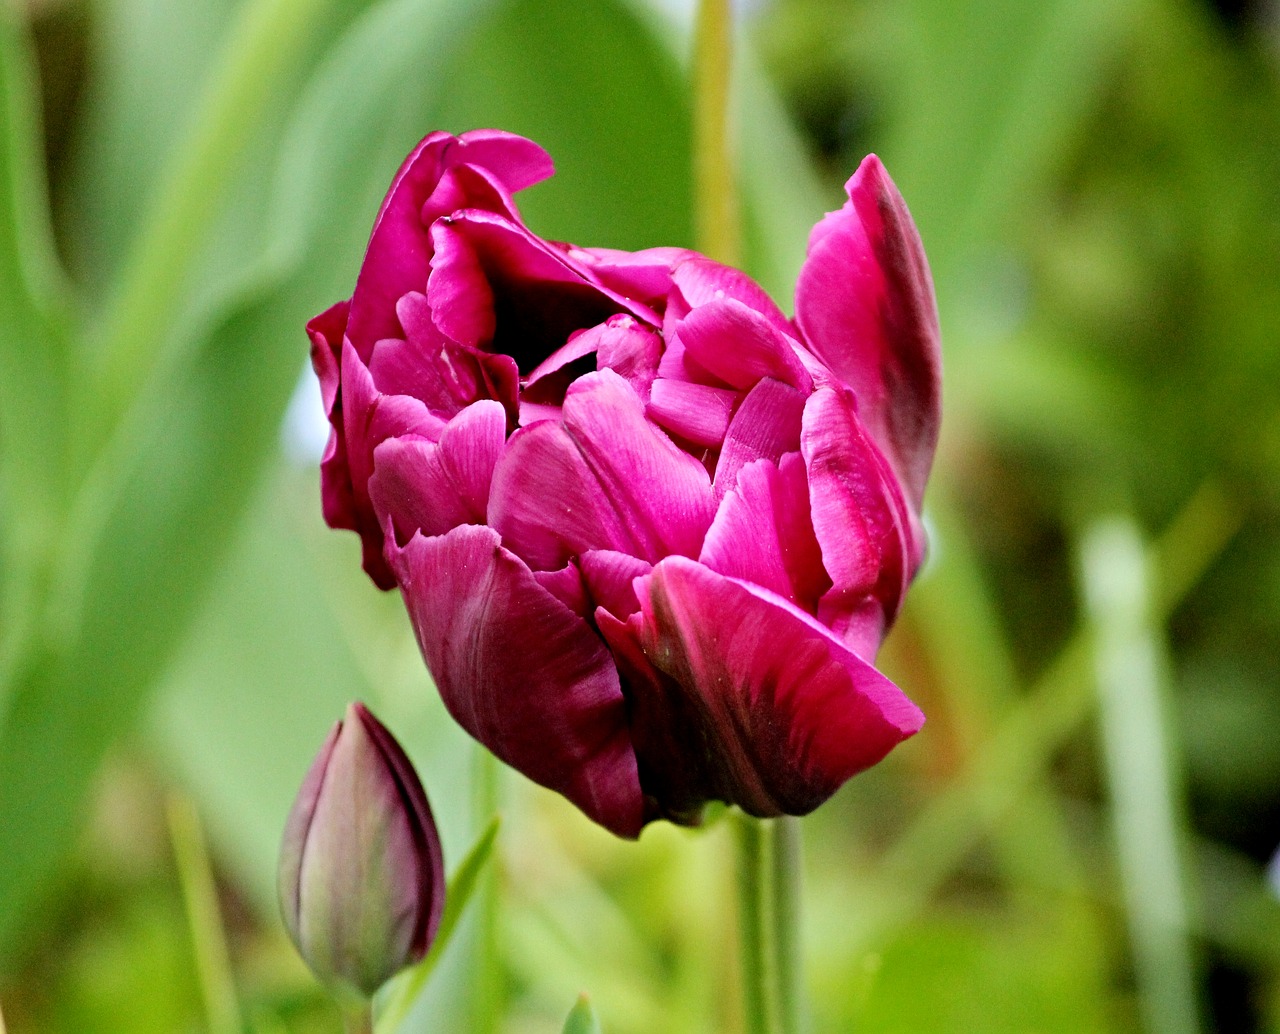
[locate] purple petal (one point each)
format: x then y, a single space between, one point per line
864 302
740 347
785 712
701 281
696 412
766 426
433 487
457 290
603 478
643 275
610 576
539 296
859 516
427 862
397 260
521 672
762 533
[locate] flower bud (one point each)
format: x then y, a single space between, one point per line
361 876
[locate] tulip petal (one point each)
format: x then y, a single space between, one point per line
433 487
427 861
610 576
602 478
785 712
643 275
762 533
538 295
766 426
859 515
397 260
521 672
739 347
369 418
701 281
698 413
864 302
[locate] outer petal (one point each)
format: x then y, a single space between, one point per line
604 478
521 672
858 513
433 487
864 302
785 712
399 253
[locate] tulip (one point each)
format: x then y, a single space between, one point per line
649 531
361 877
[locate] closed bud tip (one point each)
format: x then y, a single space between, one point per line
361 876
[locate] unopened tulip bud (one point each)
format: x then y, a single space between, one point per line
361 875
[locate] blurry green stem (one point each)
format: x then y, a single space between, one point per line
137 327
787 948
358 1020
1145 802
487 991
715 188
200 894
750 837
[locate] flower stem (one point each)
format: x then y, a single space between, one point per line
358 1020
487 978
753 908
787 946
716 215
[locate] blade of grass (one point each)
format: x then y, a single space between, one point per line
1137 756
208 936
996 778
582 1018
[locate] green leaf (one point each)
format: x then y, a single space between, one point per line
403 991
34 352
582 1019
155 519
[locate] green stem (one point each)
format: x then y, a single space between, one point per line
488 986
753 911
788 949
213 961
717 229
358 1019
1145 798
137 327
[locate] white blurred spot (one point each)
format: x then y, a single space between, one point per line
1273 873
305 431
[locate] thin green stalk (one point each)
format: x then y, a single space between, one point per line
488 985
262 47
788 949
1145 800
358 1020
753 908
1033 732
200 894
716 215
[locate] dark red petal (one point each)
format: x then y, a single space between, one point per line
432 487
864 302
762 533
603 478
786 712
521 672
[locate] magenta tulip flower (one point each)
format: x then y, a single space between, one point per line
361 876
650 532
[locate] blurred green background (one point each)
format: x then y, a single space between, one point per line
1079 838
